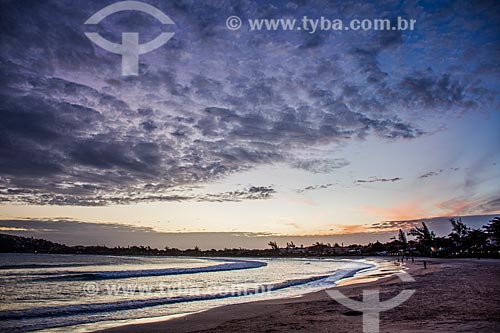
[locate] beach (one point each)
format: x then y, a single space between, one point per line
249 166
452 295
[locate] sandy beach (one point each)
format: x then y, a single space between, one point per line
451 296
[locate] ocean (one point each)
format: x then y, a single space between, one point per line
81 293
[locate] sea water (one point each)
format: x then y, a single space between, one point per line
61 293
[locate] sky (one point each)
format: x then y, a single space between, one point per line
235 137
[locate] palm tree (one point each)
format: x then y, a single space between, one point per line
274 246
402 238
493 229
476 239
460 233
424 236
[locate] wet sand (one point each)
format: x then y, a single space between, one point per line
452 295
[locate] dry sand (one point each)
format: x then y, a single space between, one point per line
451 296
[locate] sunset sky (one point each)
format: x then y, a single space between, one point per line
247 133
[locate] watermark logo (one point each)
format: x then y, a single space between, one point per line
233 23
174 290
371 306
313 25
129 49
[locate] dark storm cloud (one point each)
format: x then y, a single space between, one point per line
209 103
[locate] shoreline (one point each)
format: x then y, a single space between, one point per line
384 269
451 295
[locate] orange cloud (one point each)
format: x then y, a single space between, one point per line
456 207
400 211
344 229
460 206
352 229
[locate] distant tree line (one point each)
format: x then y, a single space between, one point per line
463 241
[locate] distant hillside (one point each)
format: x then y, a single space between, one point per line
17 244
10 243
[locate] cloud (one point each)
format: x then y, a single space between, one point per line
466 205
252 193
147 195
492 205
398 211
211 102
72 232
314 187
351 229
430 174
320 165
378 180
441 225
